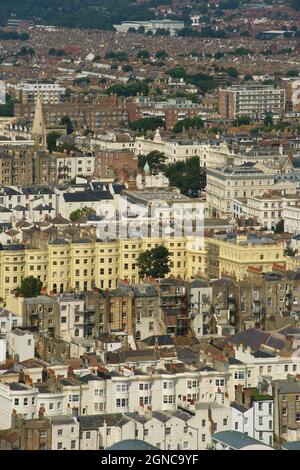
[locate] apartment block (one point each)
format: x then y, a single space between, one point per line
254 101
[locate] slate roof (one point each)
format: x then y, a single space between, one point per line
236 440
160 340
95 421
87 196
132 444
255 339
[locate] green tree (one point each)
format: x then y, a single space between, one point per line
30 287
242 121
127 68
130 89
7 109
188 176
219 55
177 72
188 123
154 262
161 55
268 120
143 54
66 121
155 159
81 213
279 228
51 140
232 72
292 73
147 124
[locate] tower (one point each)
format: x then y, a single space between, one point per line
38 131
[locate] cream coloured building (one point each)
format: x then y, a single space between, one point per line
225 184
211 155
85 264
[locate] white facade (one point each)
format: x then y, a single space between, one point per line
71 317
183 429
251 370
65 433
291 217
21 343
152 181
257 421
223 185
199 308
211 156
49 92
267 209
19 397
70 166
2 349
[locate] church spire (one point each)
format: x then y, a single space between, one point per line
38 131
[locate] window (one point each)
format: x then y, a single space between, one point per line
286 368
43 434
59 445
168 431
240 375
25 401
73 444
270 408
203 423
16 401
220 382
260 406
88 434
59 432
203 437
294 367
225 421
260 421
236 426
297 417
121 402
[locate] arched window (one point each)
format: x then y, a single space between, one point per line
54 288
61 289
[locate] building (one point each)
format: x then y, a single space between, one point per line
287 409
225 184
49 92
106 113
267 210
254 101
234 440
211 155
65 433
291 217
253 415
20 343
151 25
